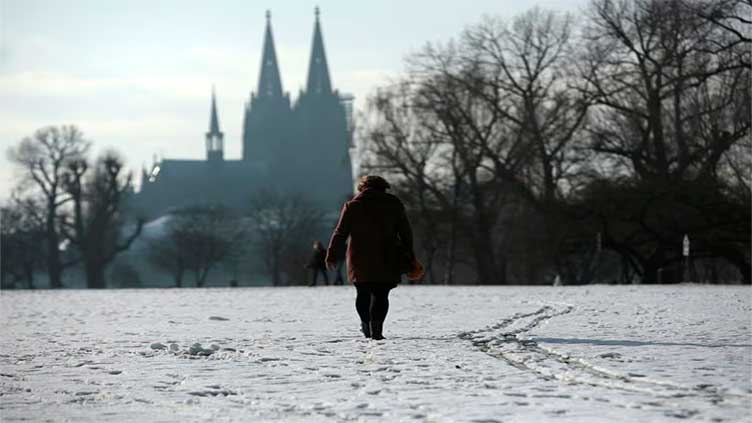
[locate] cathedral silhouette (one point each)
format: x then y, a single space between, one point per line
298 148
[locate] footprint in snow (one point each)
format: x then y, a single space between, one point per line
613 355
212 393
556 412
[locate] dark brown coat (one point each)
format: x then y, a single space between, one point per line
373 220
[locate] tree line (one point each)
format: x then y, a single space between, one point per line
67 209
537 149
274 233
71 212
585 150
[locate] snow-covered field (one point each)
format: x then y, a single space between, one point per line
453 354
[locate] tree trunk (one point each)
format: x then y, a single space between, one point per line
651 266
29 273
275 269
746 273
737 259
94 274
452 247
4 278
430 253
54 267
179 274
487 271
197 277
204 274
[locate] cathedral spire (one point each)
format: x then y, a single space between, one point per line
215 139
318 71
213 119
270 84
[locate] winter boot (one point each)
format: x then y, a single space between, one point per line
365 327
376 329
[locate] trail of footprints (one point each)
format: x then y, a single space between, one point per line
505 340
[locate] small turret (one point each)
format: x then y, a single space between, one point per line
215 139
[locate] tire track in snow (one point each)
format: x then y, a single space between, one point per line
506 341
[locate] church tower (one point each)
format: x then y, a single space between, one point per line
301 150
215 139
267 117
318 70
323 136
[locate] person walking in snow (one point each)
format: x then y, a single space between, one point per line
380 240
317 263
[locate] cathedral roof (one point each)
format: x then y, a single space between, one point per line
182 183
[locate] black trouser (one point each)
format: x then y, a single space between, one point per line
372 302
316 271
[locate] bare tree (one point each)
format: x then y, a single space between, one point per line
22 232
197 240
43 159
479 126
672 89
526 74
671 82
98 197
399 145
166 255
731 16
284 225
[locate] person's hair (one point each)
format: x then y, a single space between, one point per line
372 181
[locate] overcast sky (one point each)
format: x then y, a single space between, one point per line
137 75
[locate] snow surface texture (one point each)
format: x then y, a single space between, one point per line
453 354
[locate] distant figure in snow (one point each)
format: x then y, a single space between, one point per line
376 223
317 263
